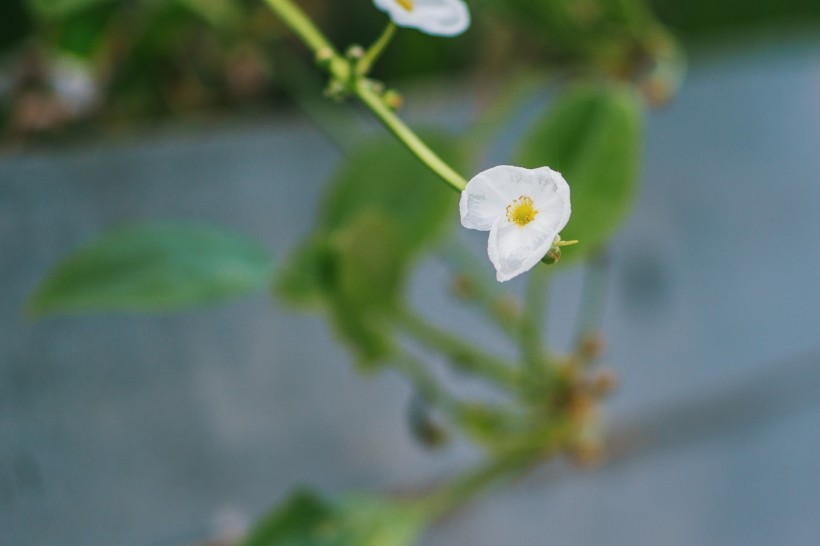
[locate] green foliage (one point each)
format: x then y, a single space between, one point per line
83 34
55 9
299 521
305 519
593 136
608 34
153 267
383 176
382 207
703 17
15 23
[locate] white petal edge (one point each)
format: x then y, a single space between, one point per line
483 199
552 200
435 17
515 249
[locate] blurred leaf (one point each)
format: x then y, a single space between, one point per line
356 274
593 136
702 17
15 23
308 273
370 268
226 15
368 275
606 33
384 176
153 267
305 519
382 207
299 521
63 8
83 34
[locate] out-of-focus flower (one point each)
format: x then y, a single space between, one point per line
523 209
436 17
73 82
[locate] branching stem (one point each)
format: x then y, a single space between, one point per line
375 51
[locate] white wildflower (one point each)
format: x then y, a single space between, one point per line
436 17
523 209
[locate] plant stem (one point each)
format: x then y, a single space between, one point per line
593 296
364 90
532 326
293 16
499 306
461 354
423 381
497 472
375 50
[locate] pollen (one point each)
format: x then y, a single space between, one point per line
521 211
406 4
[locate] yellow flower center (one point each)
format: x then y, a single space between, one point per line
406 4
521 211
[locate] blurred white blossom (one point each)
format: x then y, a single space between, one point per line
436 17
73 82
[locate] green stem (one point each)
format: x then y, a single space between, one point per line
375 51
364 90
423 381
293 16
461 354
593 296
343 126
296 20
499 306
532 327
497 472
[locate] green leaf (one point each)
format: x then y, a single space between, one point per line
381 180
225 15
593 136
305 519
357 275
381 209
300 521
384 176
369 277
153 267
305 278
63 8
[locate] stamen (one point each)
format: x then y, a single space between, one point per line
406 4
521 211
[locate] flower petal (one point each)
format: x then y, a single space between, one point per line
514 249
436 17
483 200
552 200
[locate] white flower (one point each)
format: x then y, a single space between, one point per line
437 17
523 209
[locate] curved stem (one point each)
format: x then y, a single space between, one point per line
423 381
461 354
372 55
293 16
364 90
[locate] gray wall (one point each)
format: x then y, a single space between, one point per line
164 430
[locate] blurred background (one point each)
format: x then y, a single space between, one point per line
177 429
